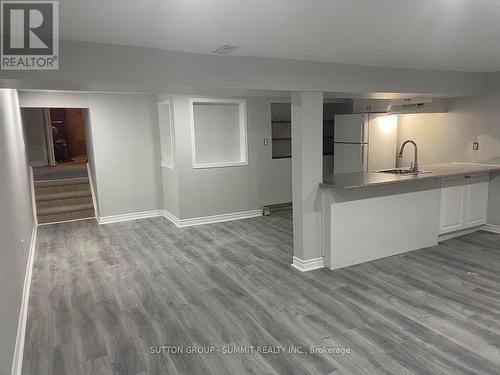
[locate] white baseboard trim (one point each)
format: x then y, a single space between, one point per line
172 218
92 191
308 264
17 363
131 216
211 219
491 228
458 233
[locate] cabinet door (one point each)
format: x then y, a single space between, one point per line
476 200
452 205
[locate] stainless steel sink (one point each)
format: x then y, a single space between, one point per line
400 171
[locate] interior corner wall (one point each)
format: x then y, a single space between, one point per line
213 191
170 185
34 128
89 141
126 149
448 137
170 176
16 223
274 175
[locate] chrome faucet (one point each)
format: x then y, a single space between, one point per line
414 165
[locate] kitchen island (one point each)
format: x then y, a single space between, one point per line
370 215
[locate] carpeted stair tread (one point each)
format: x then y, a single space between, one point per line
64 209
63 195
68 181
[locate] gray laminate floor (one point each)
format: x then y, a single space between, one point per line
102 296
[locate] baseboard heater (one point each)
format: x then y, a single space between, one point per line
275 208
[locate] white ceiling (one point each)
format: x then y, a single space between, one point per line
461 35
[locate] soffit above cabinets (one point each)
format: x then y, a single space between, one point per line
399 106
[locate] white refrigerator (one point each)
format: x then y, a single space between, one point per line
350 143
364 142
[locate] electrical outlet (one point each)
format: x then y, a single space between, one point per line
475 146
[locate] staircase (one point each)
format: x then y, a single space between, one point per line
63 200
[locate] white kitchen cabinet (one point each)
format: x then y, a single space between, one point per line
452 205
476 200
464 202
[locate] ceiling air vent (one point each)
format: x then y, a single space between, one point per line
226 49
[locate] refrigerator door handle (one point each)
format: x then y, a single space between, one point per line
362 153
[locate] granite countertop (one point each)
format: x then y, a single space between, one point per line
363 179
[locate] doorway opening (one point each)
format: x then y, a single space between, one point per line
56 142
67 127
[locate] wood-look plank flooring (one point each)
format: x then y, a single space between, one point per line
102 296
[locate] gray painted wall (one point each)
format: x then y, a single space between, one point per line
447 137
124 152
90 66
35 138
212 191
126 148
171 193
16 223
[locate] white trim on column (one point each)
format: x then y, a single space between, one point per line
211 219
308 264
17 363
165 164
92 191
491 228
170 150
131 216
33 197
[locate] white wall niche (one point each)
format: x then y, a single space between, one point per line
218 132
166 134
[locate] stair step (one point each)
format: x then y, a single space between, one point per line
65 209
66 181
65 216
71 201
63 195
64 188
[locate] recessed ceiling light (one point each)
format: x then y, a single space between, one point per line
224 50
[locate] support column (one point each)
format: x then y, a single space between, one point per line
307 173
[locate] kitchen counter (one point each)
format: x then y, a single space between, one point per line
365 179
